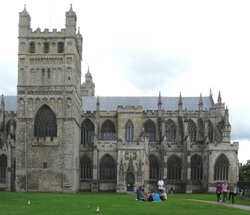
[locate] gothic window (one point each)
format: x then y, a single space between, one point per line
129 131
150 131
108 130
221 168
32 47
87 132
210 131
154 167
191 130
107 168
174 168
60 47
48 72
45 124
46 47
134 155
3 167
196 168
86 168
170 131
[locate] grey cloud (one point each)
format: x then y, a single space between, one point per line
150 69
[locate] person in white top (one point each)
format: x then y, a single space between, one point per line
161 186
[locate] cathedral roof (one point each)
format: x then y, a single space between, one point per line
147 102
110 103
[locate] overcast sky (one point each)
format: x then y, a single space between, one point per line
135 47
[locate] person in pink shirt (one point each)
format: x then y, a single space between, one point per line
225 191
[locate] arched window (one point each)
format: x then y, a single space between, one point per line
45 123
107 168
86 168
154 167
32 47
196 168
210 131
174 168
87 132
3 167
150 131
60 47
46 47
191 130
108 130
221 168
170 128
129 131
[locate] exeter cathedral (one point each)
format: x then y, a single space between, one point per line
56 135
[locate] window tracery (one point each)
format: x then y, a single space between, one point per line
86 168
108 130
107 168
170 133
87 132
221 168
129 131
174 168
196 168
150 131
154 167
45 124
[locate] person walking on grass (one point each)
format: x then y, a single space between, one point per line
218 192
225 192
232 192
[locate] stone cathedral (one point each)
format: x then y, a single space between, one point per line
56 135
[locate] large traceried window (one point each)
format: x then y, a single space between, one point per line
221 168
170 128
86 168
108 130
196 168
174 168
129 131
3 167
150 131
154 167
107 168
191 130
87 132
45 124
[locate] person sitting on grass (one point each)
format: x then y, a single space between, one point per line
156 197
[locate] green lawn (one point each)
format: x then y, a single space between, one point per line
110 203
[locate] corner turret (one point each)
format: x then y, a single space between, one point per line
24 22
70 22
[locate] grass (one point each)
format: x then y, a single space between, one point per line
110 203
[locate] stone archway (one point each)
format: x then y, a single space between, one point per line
130 181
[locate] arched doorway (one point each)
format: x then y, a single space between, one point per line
130 180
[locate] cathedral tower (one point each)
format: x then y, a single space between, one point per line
49 107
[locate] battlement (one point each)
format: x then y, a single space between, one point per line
46 33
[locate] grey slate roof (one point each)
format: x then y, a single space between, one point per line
147 102
10 103
111 103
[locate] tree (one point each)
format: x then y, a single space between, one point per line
244 172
